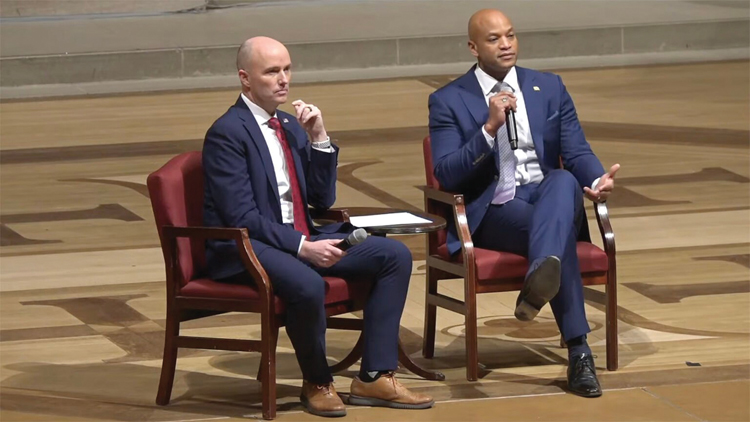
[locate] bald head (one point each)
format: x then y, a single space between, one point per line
483 20
255 48
492 40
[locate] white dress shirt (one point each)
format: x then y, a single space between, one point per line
528 169
279 162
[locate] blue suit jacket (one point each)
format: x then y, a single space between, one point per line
465 163
240 187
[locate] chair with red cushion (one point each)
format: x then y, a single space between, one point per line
176 192
488 271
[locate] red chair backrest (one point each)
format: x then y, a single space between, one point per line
176 192
432 182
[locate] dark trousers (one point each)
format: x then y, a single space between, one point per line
386 262
542 220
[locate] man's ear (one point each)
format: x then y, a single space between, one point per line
244 78
473 48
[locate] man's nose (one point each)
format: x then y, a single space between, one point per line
505 43
283 79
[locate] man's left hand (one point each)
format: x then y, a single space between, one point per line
604 187
311 119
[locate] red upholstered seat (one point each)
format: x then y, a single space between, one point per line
492 264
337 290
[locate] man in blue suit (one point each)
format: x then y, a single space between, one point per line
519 200
262 168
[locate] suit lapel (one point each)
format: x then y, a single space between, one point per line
473 98
534 100
257 139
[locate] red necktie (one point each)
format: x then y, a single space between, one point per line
300 218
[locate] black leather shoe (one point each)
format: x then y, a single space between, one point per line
582 376
540 286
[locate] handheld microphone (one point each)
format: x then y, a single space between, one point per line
510 122
355 238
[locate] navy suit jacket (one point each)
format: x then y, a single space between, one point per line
465 163
240 187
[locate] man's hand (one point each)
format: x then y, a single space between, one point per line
321 253
311 119
499 105
604 187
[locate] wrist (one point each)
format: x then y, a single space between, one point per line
321 136
325 143
490 129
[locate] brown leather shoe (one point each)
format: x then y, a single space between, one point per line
386 391
322 400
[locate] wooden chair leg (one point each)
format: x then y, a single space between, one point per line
275 334
268 371
430 315
169 359
472 352
611 319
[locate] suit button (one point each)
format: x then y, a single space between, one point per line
497 177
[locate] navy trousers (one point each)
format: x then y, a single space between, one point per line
386 262
544 219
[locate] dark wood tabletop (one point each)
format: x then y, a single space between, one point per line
436 222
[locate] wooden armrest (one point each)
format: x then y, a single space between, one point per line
204 233
443 196
605 227
339 215
241 238
456 202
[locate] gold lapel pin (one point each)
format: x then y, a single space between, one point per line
536 88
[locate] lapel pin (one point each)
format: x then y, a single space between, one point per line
536 88
287 120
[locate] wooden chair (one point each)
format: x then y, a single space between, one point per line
487 271
176 192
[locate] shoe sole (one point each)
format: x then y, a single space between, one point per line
369 401
587 395
544 284
327 414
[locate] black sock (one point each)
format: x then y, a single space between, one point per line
370 376
577 346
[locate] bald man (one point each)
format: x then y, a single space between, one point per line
263 167
520 200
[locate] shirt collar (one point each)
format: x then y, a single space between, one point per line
487 82
261 116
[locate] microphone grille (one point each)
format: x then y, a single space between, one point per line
504 87
358 236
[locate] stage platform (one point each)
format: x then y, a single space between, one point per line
82 302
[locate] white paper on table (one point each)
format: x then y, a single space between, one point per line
390 219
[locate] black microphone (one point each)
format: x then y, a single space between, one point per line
510 121
355 238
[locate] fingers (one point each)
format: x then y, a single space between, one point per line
305 112
598 195
591 194
504 101
613 170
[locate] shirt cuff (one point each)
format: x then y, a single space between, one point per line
301 241
596 182
490 139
